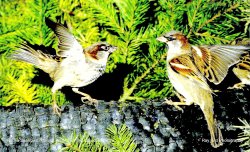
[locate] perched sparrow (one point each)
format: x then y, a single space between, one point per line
189 67
242 71
73 66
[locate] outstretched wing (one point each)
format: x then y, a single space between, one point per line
214 61
184 65
68 45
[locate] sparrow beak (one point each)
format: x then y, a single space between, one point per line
112 49
162 39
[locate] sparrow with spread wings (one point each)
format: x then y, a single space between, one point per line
73 66
189 68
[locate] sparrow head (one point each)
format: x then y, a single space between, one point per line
177 43
105 47
173 39
100 51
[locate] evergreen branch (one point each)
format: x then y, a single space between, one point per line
72 148
81 142
193 18
217 16
207 35
121 139
15 33
16 84
128 91
246 16
244 136
107 15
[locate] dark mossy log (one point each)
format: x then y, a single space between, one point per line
155 127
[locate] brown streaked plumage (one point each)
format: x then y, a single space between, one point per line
242 71
190 67
72 66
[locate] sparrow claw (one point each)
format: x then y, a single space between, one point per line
56 109
90 101
86 97
175 104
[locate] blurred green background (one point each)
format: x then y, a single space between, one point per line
137 70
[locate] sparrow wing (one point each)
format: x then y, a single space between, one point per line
184 65
242 69
244 63
214 61
68 45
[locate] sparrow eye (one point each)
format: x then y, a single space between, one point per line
104 47
170 38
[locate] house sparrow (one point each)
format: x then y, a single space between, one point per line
72 66
189 67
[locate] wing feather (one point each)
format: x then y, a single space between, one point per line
214 61
184 65
68 45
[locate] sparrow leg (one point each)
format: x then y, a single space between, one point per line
85 96
177 104
170 102
237 86
56 109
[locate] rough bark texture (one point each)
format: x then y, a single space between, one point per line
155 127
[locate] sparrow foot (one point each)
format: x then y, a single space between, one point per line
175 104
56 109
86 97
90 100
237 86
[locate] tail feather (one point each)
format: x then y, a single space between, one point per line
41 60
205 101
26 57
215 132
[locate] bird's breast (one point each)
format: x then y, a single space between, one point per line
88 75
188 89
181 84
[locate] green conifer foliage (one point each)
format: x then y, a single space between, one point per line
120 139
132 25
244 136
